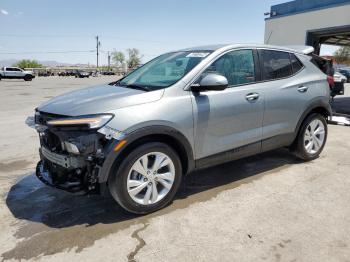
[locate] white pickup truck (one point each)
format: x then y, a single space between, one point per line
16 73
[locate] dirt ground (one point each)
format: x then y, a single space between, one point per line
269 207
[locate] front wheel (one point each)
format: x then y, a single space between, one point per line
311 138
147 179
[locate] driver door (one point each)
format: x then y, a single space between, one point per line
228 123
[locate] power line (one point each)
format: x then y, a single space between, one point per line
45 52
43 36
89 36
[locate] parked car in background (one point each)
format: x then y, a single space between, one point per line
70 73
339 77
16 73
346 73
66 73
184 110
45 73
81 74
107 73
339 81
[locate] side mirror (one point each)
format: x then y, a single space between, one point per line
211 82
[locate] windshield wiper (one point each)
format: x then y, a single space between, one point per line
114 83
134 86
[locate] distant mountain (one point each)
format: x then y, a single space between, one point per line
53 63
10 62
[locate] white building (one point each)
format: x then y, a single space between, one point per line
310 22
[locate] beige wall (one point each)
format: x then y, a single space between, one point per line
291 30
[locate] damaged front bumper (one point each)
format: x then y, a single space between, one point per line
44 176
71 159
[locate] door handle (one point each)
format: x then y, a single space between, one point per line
302 89
252 96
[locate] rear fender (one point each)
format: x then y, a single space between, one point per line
315 105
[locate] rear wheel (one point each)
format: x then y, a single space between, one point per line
311 138
147 179
28 78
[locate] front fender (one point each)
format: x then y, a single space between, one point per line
131 137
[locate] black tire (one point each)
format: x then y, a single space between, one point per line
298 147
117 182
28 78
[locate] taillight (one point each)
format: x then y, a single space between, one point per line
330 80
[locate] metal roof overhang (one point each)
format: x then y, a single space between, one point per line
339 36
342 40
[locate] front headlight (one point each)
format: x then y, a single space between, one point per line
91 121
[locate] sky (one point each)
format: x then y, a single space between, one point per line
65 31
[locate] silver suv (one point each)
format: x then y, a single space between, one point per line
194 108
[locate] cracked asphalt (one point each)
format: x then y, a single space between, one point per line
270 207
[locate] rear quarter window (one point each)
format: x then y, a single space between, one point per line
296 64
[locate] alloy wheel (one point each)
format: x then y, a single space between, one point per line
314 136
151 178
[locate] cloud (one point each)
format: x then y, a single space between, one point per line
4 12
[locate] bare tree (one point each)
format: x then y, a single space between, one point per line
342 55
134 57
118 57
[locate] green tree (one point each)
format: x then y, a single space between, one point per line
342 55
118 57
26 63
134 57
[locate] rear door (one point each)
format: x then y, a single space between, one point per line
286 96
232 118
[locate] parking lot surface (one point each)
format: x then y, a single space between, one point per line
270 207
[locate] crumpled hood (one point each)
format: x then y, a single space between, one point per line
97 99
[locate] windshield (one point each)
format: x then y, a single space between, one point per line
164 70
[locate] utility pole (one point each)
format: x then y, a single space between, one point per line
98 43
109 61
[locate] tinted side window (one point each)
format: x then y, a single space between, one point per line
236 66
296 64
275 64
